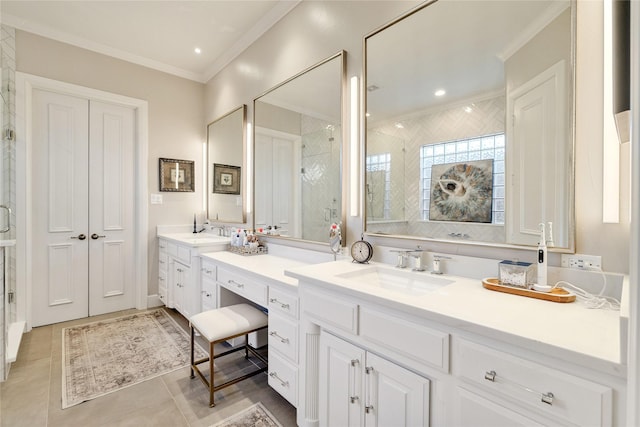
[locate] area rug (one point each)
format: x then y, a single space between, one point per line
106 356
254 416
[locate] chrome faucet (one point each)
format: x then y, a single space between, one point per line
221 230
402 258
417 260
437 267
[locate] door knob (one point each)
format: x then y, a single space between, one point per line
94 236
79 237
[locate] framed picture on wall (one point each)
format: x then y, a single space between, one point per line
226 179
176 175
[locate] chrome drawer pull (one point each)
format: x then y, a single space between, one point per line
282 382
544 397
233 282
354 363
275 301
282 339
490 376
368 408
547 398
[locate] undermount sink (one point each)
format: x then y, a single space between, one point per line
406 282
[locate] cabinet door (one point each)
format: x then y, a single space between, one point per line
394 396
341 366
182 296
475 410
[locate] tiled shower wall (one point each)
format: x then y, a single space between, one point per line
321 203
433 127
8 183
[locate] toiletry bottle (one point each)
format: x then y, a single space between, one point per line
542 257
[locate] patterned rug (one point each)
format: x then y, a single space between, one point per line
102 357
254 416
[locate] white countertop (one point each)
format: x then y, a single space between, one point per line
570 331
195 239
269 266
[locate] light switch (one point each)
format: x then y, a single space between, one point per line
156 199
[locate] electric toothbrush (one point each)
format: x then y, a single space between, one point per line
542 262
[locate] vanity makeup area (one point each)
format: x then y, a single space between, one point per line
372 344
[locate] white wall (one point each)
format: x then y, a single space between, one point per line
176 122
315 30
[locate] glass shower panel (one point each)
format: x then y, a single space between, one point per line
320 177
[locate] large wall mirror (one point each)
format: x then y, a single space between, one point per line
226 167
470 123
298 146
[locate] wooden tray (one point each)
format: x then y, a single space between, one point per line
556 294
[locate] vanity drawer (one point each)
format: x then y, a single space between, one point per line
241 285
208 295
283 335
283 378
283 302
331 310
163 261
208 270
544 389
184 255
407 338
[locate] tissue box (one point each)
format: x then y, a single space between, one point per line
518 274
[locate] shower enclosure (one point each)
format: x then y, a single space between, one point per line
11 329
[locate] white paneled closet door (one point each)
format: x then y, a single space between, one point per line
82 163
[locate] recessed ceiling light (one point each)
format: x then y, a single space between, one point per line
468 109
399 125
440 92
197 50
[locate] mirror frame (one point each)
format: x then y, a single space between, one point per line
243 175
572 139
342 55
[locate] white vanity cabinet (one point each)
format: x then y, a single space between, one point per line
180 284
359 388
208 292
358 364
261 280
283 342
163 274
450 358
182 289
498 387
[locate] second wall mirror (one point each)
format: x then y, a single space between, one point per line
226 167
470 124
298 146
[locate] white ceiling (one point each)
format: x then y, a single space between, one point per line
156 34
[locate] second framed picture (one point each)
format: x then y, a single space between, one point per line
226 179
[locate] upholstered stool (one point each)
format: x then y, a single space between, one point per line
221 325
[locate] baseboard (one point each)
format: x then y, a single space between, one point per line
154 301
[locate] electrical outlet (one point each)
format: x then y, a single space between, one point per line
582 262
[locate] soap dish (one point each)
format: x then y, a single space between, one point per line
555 295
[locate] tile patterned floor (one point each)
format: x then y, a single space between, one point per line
31 396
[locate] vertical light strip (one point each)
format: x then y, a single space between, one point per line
610 143
204 178
354 144
249 168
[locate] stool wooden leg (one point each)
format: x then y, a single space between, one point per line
246 346
211 386
192 352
